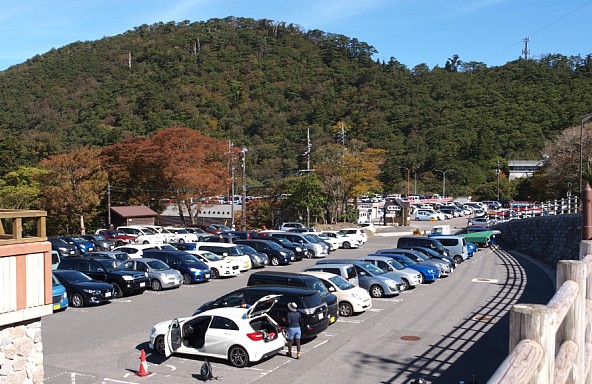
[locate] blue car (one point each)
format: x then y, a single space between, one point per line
58 294
428 273
80 243
193 270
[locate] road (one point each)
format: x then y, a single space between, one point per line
443 332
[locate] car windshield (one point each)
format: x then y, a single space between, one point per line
158 265
418 256
274 245
234 251
247 249
429 252
320 288
73 277
312 239
168 247
373 269
341 283
407 260
187 257
117 233
322 236
109 265
395 264
182 231
211 256
284 242
223 227
76 238
99 237
150 231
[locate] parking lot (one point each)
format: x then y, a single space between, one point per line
437 331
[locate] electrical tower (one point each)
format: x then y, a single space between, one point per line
526 51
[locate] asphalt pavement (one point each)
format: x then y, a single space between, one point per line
444 332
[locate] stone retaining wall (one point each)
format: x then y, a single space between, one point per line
546 238
21 353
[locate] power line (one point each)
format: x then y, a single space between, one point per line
542 29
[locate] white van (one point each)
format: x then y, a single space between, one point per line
144 235
456 245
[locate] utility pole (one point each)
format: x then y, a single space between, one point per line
109 205
308 170
443 179
525 51
231 199
244 211
498 179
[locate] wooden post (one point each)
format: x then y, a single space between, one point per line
574 325
535 322
588 337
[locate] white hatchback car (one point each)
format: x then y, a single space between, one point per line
352 299
239 335
343 240
356 233
220 266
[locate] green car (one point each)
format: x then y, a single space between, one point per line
480 236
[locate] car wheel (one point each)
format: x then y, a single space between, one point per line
181 241
119 243
376 291
146 242
421 278
118 291
417 219
215 273
310 254
346 245
77 300
275 261
238 356
156 285
406 284
345 309
186 279
159 345
458 259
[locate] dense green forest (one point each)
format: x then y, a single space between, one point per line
262 84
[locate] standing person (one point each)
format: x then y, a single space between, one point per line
294 332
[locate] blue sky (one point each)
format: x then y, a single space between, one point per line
411 31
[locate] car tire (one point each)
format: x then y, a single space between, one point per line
376 291
310 254
345 309
77 300
215 274
238 356
275 261
346 245
118 291
159 345
146 242
406 284
458 259
156 285
181 241
119 243
186 279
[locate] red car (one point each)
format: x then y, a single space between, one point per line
120 238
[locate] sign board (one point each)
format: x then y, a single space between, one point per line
391 215
393 208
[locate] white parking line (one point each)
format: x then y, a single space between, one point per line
374 310
349 321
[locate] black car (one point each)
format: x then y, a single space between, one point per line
315 317
101 243
277 254
299 252
298 280
258 259
83 290
124 282
62 247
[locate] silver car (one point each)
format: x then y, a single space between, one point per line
160 275
410 277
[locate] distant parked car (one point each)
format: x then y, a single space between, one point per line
426 216
183 235
258 259
82 244
119 256
277 254
410 277
101 243
299 252
83 290
192 270
356 233
291 225
118 237
219 266
134 251
343 241
160 275
62 247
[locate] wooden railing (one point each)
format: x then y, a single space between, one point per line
553 343
12 227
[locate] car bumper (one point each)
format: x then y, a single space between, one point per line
266 350
311 329
229 272
171 283
431 276
136 285
97 298
61 304
360 306
200 278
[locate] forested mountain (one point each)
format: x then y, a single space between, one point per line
262 84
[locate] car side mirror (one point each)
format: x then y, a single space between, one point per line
332 289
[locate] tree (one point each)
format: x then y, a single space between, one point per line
72 186
19 189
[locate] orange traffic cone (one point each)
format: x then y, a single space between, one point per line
143 366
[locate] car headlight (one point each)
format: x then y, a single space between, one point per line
356 296
392 284
65 295
298 249
431 271
283 253
91 291
195 270
161 274
127 278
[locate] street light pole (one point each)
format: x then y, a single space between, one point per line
244 197
408 189
583 120
415 181
444 179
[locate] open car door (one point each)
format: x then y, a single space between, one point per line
173 338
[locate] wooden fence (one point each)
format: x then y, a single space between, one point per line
553 343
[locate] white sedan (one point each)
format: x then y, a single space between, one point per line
352 299
239 335
220 266
343 240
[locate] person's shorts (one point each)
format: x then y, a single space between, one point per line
294 333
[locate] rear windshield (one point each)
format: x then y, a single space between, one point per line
312 301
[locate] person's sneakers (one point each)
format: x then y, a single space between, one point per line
298 355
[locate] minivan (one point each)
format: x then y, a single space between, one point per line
313 309
420 241
456 246
298 280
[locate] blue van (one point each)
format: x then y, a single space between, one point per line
193 270
58 294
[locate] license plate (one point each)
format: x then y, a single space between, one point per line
142 284
207 276
332 319
56 307
321 315
72 252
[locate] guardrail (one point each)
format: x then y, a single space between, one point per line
553 343
14 221
548 208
